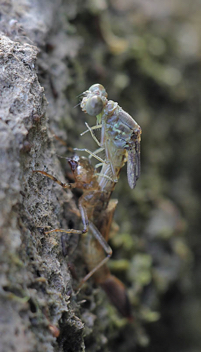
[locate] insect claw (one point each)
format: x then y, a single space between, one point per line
82 134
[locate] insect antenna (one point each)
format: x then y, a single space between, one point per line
76 105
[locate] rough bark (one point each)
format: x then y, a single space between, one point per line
35 280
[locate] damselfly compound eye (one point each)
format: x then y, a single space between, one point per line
98 89
94 105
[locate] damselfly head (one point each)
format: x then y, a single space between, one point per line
94 100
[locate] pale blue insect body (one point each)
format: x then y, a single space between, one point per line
118 130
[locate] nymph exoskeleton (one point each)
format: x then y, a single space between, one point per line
119 131
96 210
